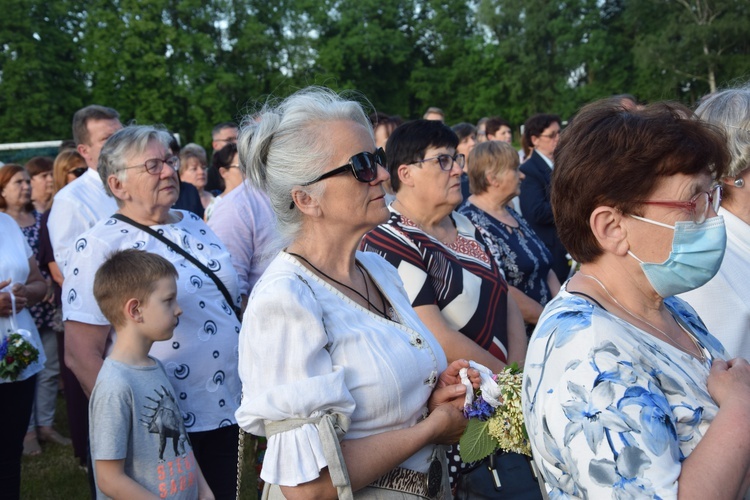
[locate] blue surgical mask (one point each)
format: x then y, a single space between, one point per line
697 252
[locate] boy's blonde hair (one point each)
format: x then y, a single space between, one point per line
128 274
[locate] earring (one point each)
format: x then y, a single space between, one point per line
739 182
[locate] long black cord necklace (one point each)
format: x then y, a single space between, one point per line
367 288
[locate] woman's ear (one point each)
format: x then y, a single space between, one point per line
306 203
404 175
117 187
607 226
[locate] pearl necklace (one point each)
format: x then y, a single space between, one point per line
701 356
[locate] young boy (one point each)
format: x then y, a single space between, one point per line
139 445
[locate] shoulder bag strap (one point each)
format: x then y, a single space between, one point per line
193 260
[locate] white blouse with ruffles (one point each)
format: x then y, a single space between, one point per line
307 349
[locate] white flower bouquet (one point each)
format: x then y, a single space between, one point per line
494 413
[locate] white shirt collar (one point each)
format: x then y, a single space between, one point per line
549 162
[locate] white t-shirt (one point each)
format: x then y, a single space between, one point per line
76 208
724 302
307 349
14 265
201 357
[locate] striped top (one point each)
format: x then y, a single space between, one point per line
462 278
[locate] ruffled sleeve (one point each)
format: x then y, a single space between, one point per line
287 372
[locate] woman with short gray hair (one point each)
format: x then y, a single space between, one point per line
140 172
330 348
724 302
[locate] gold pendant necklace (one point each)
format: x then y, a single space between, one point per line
701 356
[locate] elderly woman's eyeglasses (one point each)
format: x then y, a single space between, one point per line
698 204
154 166
446 161
364 167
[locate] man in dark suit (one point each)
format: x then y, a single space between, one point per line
542 132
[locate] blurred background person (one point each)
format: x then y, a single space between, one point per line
15 201
39 169
384 125
525 261
724 302
79 205
222 134
542 131
434 113
227 163
193 167
189 199
20 276
69 165
467 138
481 129
498 129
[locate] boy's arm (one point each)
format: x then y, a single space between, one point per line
204 491
112 480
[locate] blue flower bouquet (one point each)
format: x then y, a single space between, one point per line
495 414
16 353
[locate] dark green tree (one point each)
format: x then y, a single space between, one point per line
41 82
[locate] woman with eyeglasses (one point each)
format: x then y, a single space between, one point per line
140 172
626 393
724 302
540 135
330 348
450 274
454 283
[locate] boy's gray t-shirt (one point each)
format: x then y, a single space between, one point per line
135 417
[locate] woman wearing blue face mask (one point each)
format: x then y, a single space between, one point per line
626 394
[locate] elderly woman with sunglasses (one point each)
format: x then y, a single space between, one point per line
626 393
139 171
330 348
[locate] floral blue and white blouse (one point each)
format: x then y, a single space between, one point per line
611 410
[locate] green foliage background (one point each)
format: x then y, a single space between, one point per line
192 63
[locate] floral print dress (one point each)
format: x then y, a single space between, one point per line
612 411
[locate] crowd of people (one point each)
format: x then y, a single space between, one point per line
323 278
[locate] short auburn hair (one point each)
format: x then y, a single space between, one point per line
612 156
489 158
128 274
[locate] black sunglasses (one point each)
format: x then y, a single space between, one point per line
364 168
79 171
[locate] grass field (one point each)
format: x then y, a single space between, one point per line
55 473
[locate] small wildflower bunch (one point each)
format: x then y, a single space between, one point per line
494 413
16 353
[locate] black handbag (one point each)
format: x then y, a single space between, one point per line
501 475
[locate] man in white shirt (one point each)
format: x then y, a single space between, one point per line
82 203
